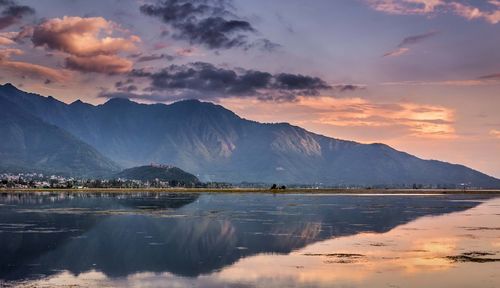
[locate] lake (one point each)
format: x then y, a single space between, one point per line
248 240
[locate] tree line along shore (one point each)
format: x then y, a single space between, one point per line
254 190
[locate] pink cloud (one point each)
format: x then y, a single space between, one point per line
396 53
25 69
82 36
405 6
90 43
472 13
495 133
422 7
5 41
108 64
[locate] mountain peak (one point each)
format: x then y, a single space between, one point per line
118 100
9 86
196 106
189 101
79 103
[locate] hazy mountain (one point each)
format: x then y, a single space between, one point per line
162 173
30 145
215 144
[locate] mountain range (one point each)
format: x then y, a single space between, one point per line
203 138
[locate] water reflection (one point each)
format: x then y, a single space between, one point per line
241 239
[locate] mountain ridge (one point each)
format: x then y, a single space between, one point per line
31 145
213 142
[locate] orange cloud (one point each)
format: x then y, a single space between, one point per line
81 36
109 64
5 41
418 120
89 42
6 53
495 133
24 69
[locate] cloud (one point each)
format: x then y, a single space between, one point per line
495 76
125 86
490 79
425 7
25 32
471 13
188 52
5 41
154 57
25 69
495 133
206 22
349 87
359 114
89 42
402 48
396 53
206 81
6 53
411 40
107 64
12 13
81 36
11 38
405 6
421 120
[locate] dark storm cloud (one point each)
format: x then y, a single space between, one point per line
12 13
416 39
205 78
296 82
206 81
206 22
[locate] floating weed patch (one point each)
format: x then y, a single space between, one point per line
378 244
474 257
344 255
480 228
339 258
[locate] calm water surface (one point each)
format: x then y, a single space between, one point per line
249 240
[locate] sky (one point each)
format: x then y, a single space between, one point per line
420 75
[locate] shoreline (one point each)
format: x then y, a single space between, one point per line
256 190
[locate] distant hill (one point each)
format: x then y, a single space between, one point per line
30 144
162 173
216 144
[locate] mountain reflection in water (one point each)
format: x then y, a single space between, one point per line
113 237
